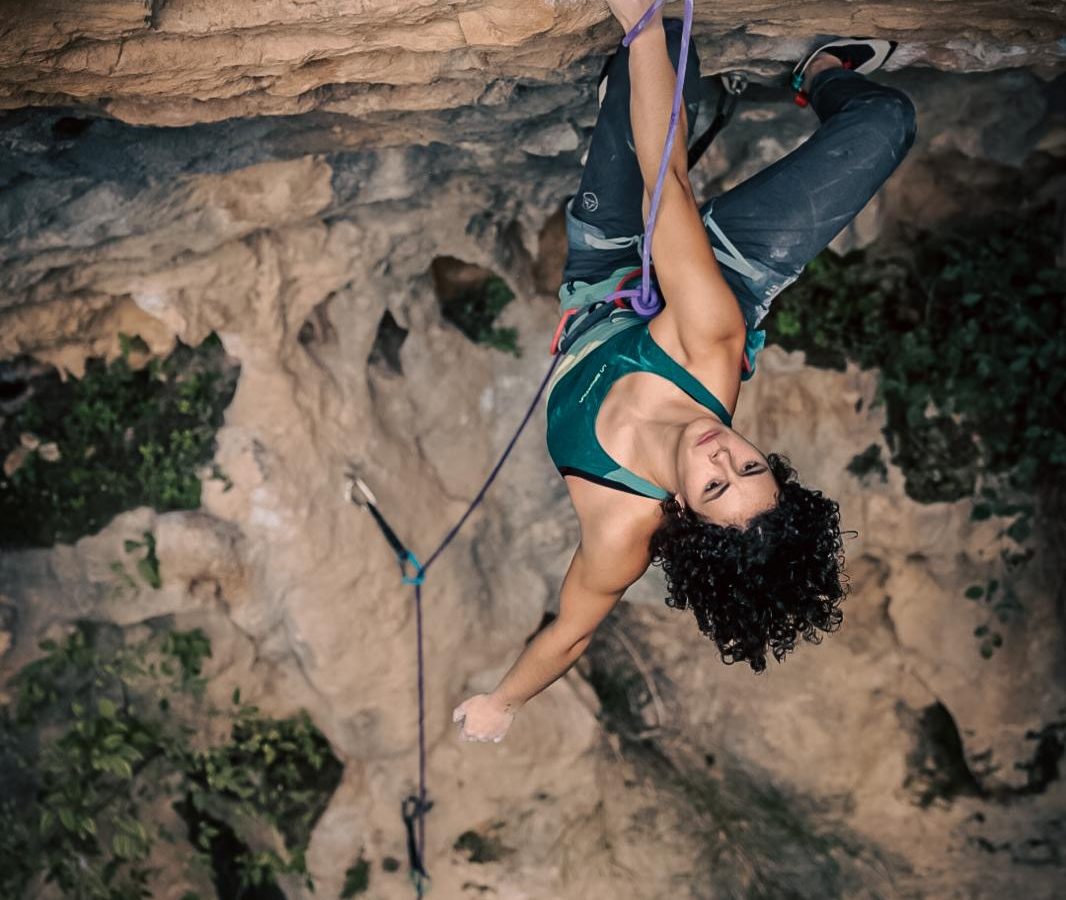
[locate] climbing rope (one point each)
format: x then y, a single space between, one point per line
415 807
646 302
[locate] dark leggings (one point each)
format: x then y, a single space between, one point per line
780 218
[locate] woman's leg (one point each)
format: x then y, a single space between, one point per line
604 220
785 215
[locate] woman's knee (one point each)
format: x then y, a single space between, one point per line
895 120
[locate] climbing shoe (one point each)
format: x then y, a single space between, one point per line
862 55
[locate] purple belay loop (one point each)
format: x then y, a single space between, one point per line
648 303
644 308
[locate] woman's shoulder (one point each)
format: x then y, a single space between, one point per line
717 365
613 521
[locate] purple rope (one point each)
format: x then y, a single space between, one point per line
646 303
643 21
496 470
420 823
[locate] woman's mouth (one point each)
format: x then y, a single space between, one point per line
714 432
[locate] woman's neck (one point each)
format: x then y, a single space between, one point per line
643 423
657 440
657 445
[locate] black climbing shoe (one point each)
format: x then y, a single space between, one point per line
862 55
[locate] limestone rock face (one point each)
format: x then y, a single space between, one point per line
177 62
284 174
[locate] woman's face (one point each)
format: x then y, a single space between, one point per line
723 478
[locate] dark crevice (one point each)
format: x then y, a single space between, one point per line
12 390
225 849
388 342
513 254
471 297
17 378
67 128
624 694
317 327
1043 768
937 767
483 846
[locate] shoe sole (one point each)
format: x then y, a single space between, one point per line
882 50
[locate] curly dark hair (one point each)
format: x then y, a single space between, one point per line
762 586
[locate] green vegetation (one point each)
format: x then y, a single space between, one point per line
356 879
117 438
148 565
968 331
100 733
474 309
1001 605
868 463
483 848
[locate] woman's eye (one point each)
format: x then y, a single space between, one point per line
712 485
750 466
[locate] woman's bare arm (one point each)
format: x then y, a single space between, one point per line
604 566
651 97
701 309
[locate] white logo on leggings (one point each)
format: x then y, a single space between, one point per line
590 202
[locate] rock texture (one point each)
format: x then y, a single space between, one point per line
176 62
321 155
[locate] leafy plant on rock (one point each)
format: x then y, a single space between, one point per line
474 310
79 452
99 732
967 329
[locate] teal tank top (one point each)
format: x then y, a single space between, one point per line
579 387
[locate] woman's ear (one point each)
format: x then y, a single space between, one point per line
679 500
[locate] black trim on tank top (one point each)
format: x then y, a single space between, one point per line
606 482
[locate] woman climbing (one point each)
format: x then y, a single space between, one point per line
640 412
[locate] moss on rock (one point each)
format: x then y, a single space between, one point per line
967 329
78 452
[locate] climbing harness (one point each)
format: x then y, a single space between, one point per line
645 301
575 322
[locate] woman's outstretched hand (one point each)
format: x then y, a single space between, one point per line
628 12
482 718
